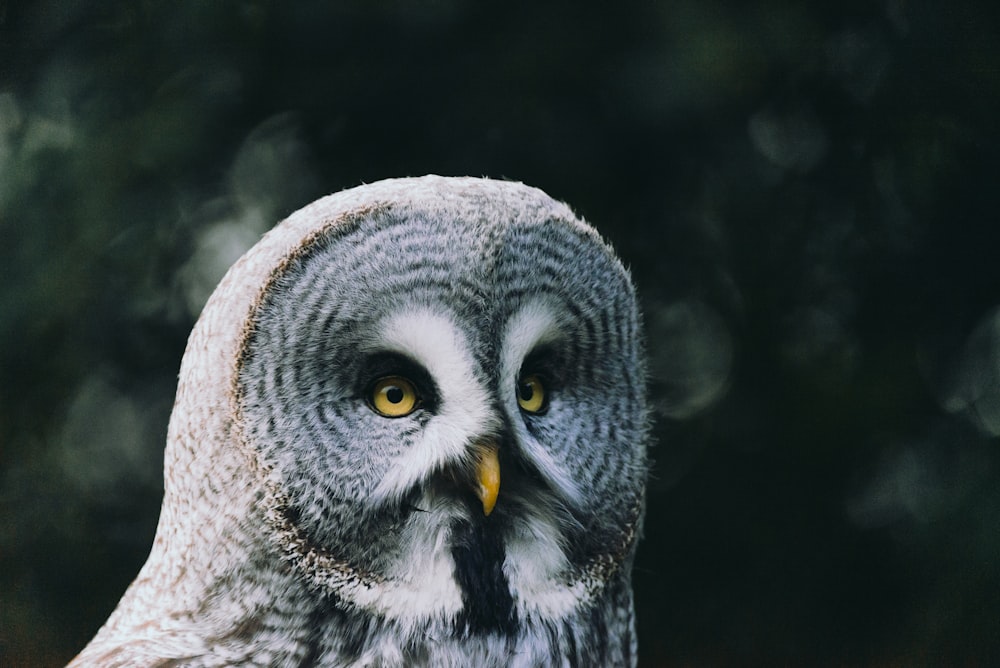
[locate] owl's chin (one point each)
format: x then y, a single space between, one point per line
459 567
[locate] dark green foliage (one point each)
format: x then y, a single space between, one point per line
807 197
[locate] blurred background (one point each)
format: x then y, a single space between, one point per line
807 195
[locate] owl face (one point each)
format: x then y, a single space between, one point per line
449 413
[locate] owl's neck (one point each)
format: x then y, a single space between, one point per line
600 635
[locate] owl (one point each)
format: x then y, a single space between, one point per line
410 429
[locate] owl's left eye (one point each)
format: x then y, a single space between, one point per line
393 396
531 395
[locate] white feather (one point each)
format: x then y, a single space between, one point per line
534 325
535 567
432 339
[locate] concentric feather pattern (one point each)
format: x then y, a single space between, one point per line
303 526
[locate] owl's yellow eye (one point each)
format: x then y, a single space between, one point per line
531 394
393 396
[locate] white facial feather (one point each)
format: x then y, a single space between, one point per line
421 587
433 340
534 325
535 566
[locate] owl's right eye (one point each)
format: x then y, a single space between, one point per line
393 396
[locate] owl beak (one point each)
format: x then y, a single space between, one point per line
487 475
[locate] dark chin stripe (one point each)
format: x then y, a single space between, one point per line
487 604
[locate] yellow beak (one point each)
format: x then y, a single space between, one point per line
487 475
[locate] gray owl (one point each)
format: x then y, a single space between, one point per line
410 429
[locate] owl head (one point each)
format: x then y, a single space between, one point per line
410 425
